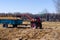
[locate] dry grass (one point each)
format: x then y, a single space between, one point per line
52 25
50 31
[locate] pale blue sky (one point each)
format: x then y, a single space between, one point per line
31 6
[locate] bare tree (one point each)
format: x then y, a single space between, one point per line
57 5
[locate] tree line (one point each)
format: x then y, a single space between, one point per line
44 17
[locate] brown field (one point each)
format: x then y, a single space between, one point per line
50 31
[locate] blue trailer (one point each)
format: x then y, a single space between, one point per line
5 22
15 22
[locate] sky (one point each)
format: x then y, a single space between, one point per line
23 6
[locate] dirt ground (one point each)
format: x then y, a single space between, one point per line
50 31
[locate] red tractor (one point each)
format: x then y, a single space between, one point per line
35 22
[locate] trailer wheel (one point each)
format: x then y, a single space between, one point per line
5 25
14 25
